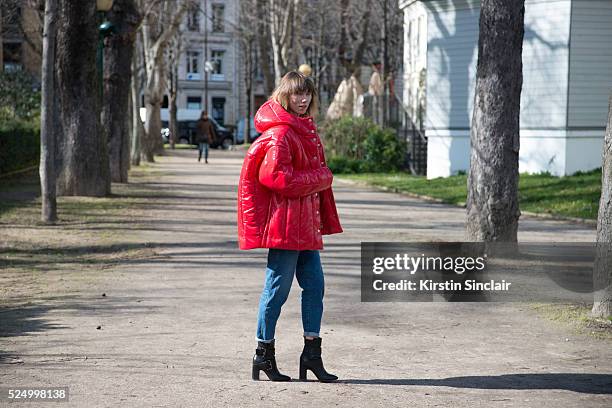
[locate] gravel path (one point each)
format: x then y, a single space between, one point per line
178 329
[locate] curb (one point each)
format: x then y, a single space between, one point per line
584 221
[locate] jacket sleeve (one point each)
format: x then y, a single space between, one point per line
276 173
212 133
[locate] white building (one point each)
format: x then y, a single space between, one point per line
567 77
225 84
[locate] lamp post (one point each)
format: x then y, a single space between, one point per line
207 67
105 29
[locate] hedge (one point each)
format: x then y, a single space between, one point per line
356 145
19 146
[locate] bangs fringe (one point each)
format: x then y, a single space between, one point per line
294 82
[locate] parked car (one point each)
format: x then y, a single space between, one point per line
187 132
240 130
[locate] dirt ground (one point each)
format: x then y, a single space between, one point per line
144 300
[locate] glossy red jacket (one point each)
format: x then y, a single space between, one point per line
285 198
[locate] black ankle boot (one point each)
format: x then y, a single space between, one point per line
264 360
311 360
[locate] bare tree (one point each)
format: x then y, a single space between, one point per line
285 35
602 273
118 52
158 27
264 42
173 55
47 136
138 130
492 203
82 152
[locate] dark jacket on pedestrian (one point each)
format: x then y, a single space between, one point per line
205 131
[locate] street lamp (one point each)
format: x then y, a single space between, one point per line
106 28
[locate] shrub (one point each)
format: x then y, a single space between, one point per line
19 145
341 164
19 96
356 145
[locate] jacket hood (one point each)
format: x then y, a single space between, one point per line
271 113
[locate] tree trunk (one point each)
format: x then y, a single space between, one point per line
263 41
492 203
173 122
47 136
153 102
117 69
1 44
276 47
173 62
602 273
82 150
138 130
154 46
248 80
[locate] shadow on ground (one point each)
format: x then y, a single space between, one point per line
576 382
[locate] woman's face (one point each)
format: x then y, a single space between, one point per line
299 103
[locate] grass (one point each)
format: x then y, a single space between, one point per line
569 196
180 146
576 318
92 234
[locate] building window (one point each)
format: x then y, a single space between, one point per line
12 52
216 57
193 65
194 102
193 19
218 10
218 110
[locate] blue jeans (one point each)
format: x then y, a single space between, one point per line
282 265
203 147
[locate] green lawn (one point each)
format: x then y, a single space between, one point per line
570 196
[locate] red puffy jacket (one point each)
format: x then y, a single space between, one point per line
285 198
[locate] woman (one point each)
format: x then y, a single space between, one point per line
286 204
205 135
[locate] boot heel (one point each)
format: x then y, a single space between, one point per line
303 376
255 374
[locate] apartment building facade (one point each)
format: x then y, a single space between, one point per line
209 74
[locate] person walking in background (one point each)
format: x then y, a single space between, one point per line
286 204
205 135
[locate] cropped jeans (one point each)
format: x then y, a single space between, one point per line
282 265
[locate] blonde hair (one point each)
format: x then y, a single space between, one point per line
294 82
